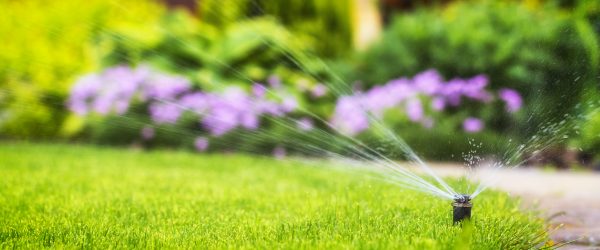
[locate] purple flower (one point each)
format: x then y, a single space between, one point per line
201 144
258 90
274 81
115 88
79 108
452 91
472 125
103 104
83 92
511 98
227 111
168 96
196 102
400 89
279 152
305 124
474 88
289 104
428 82
220 120
249 120
380 98
234 107
165 87
319 90
414 109
349 116
235 98
147 132
377 100
165 112
121 106
438 103
270 108
122 82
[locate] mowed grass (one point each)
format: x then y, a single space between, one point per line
74 196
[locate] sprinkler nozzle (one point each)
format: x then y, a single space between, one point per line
461 208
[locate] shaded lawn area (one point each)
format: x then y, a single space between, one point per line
86 196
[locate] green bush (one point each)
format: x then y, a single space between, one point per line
213 59
328 25
46 44
546 54
587 137
586 128
243 53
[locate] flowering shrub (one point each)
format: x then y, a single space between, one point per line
167 97
420 97
549 65
242 52
114 89
170 100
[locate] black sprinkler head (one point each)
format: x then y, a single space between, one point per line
461 208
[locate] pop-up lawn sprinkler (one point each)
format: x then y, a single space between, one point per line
461 208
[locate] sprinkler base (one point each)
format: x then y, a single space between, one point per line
461 208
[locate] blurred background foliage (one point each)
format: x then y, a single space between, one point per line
45 46
326 25
540 53
242 53
547 53
547 50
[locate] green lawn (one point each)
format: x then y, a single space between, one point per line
82 196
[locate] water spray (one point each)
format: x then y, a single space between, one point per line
461 208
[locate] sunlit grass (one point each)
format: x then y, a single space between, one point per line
83 196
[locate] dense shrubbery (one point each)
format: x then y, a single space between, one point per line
128 105
240 54
45 45
424 99
588 139
440 119
547 55
243 53
543 54
39 70
327 25
157 99
228 62
586 135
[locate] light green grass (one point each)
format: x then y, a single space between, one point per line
81 196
